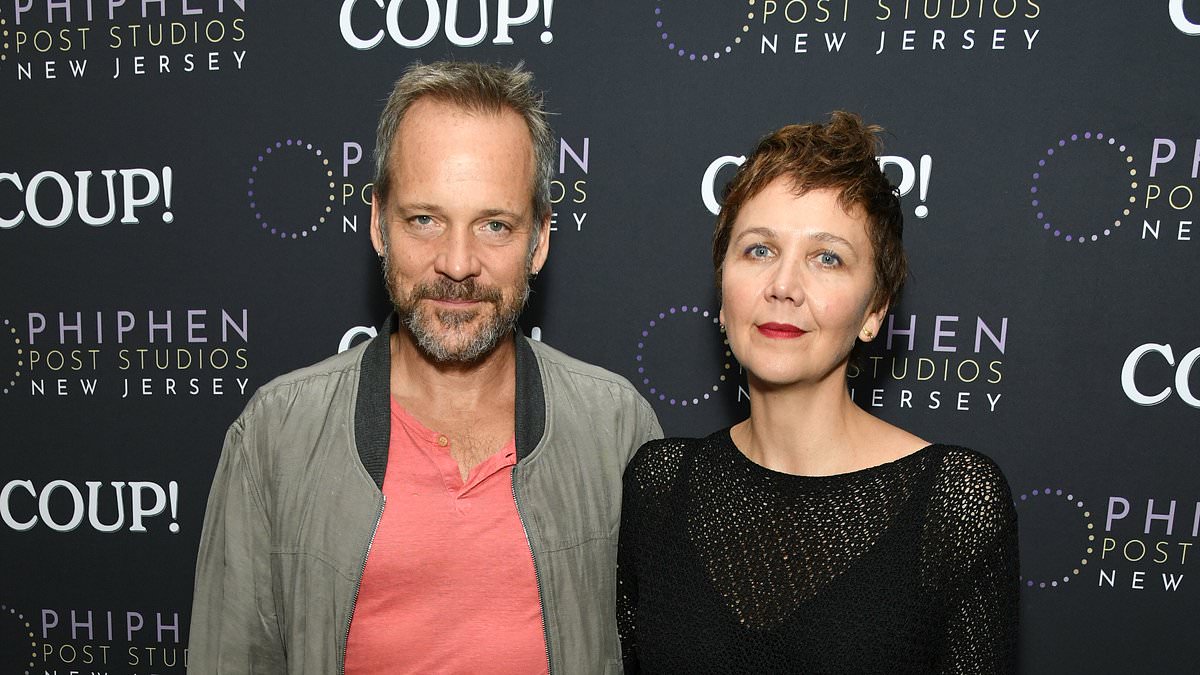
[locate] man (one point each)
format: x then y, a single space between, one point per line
445 497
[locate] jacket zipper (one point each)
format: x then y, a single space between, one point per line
358 586
537 577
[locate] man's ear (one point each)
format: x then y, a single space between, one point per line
542 248
376 226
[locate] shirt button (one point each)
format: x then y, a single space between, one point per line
443 441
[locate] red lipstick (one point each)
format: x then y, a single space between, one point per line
779 330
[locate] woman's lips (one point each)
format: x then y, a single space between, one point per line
779 330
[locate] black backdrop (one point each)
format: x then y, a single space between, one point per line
1050 151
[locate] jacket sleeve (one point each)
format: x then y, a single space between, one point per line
234 626
649 428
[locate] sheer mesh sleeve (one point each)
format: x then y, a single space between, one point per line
627 592
649 479
974 528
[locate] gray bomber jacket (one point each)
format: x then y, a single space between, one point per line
297 496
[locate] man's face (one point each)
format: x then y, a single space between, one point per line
459 219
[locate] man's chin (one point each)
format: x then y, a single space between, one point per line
457 348
454 341
448 335
454 320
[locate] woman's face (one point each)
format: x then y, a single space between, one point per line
797 284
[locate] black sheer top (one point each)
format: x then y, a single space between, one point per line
729 567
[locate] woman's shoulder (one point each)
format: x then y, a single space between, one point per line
677 443
969 484
963 467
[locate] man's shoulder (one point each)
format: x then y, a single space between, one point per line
318 381
559 364
565 376
344 364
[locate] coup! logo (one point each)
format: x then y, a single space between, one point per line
1152 358
50 198
416 24
1180 19
911 175
63 506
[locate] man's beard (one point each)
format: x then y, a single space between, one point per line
445 335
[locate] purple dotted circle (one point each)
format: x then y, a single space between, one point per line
1063 143
11 331
264 223
653 389
26 631
1045 495
692 55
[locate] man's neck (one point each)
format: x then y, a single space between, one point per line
472 406
452 389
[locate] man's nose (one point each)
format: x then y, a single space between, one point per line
457 257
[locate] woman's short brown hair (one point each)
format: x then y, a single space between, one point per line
840 155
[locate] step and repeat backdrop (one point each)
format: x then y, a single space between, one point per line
184 207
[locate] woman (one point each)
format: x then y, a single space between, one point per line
813 537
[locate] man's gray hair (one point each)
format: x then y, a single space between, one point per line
477 87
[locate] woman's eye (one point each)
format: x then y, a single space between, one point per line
829 259
758 251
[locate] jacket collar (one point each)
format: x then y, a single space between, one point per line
372 409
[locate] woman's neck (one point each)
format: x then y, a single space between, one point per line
810 429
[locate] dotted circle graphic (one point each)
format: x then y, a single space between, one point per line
4 39
681 51
654 389
26 633
1048 495
11 332
1043 218
289 231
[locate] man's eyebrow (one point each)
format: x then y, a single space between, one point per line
434 208
500 212
418 206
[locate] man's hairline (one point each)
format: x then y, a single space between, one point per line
535 224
